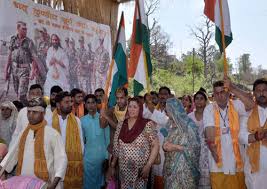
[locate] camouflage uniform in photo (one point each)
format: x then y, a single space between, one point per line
73 67
102 60
42 53
83 70
22 53
92 70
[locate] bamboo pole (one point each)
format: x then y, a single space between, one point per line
225 65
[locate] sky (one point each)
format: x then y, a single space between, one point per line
248 20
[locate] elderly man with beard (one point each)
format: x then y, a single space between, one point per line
8 119
39 152
58 66
69 126
254 136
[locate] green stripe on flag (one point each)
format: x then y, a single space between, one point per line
218 39
138 87
120 77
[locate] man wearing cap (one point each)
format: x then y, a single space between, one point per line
58 66
102 60
40 151
83 66
22 53
42 49
22 120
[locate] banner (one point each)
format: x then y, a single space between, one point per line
41 45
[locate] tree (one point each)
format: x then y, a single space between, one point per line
151 7
245 69
203 33
193 64
159 45
244 63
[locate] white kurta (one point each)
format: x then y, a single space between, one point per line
228 158
22 123
63 128
161 119
55 155
255 180
63 73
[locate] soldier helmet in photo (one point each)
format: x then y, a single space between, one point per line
81 39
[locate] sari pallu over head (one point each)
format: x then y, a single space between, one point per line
182 131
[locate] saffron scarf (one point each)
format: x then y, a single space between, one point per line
253 149
120 115
74 173
234 131
40 166
79 111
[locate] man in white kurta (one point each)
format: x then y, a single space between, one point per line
256 180
22 119
228 172
63 128
64 105
54 150
58 67
228 159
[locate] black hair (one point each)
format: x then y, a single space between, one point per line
100 90
36 86
122 89
200 92
61 95
165 88
189 98
75 91
90 96
202 89
18 105
218 84
154 93
55 89
258 82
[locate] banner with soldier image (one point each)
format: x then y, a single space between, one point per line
41 45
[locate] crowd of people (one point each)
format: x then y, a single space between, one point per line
153 141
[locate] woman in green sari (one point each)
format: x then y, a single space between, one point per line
182 147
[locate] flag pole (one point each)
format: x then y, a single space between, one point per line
108 82
225 65
144 53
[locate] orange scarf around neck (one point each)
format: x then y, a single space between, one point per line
79 111
253 150
40 166
234 131
74 173
120 115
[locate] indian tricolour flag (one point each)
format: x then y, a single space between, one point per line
212 11
118 69
140 68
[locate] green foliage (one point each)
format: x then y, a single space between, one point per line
179 84
193 65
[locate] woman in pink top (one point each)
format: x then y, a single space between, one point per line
200 100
